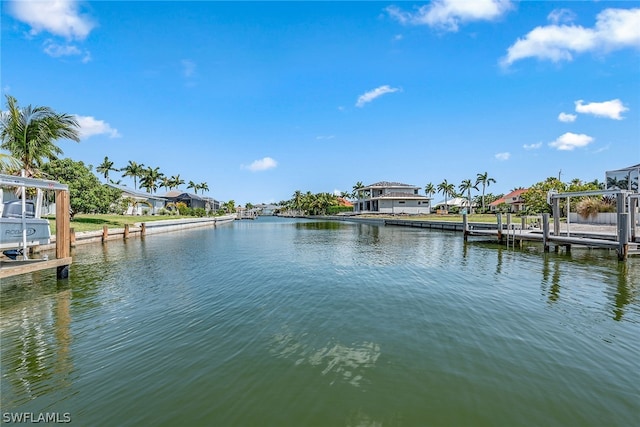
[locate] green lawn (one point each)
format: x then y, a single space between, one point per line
86 222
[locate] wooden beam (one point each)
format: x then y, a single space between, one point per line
14 268
63 231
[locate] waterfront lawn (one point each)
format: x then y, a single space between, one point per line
89 222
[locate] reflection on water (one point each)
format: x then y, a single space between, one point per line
38 356
346 363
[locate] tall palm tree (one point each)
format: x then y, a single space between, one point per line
485 180
176 182
203 186
446 189
165 182
29 133
133 170
357 190
466 185
429 189
297 200
150 178
194 186
105 167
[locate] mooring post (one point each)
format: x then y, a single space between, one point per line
509 229
72 237
545 231
633 204
620 202
623 236
556 216
63 236
126 231
499 220
143 229
105 233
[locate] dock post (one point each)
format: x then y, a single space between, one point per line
72 237
623 236
105 233
499 219
620 202
126 231
509 230
545 231
633 204
465 226
63 236
556 216
143 229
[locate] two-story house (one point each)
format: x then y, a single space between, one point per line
391 198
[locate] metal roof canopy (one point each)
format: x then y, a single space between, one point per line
18 181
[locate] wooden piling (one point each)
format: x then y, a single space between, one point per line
63 235
72 237
623 236
105 233
499 220
545 231
556 216
126 231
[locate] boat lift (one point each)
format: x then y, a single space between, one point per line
63 258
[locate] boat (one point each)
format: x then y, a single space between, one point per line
13 228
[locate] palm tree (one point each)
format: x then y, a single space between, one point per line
194 186
485 180
133 170
297 200
29 133
203 186
8 163
356 190
165 182
176 182
446 189
429 189
105 167
466 185
150 178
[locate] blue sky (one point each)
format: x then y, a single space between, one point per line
260 99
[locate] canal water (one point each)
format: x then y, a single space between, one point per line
278 322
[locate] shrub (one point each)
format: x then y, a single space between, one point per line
591 206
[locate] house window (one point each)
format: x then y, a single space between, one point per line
401 202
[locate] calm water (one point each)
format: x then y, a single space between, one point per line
299 323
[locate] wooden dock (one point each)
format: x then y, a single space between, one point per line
621 241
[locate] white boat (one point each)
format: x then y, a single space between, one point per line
13 226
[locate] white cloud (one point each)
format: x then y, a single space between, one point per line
609 109
60 17
570 141
89 126
56 50
561 16
567 118
614 29
449 14
532 146
503 156
261 165
373 94
324 137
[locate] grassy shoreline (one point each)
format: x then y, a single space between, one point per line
95 222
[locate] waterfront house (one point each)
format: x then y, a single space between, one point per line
459 203
513 201
190 200
139 202
391 198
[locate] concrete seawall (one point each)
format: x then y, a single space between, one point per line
138 230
